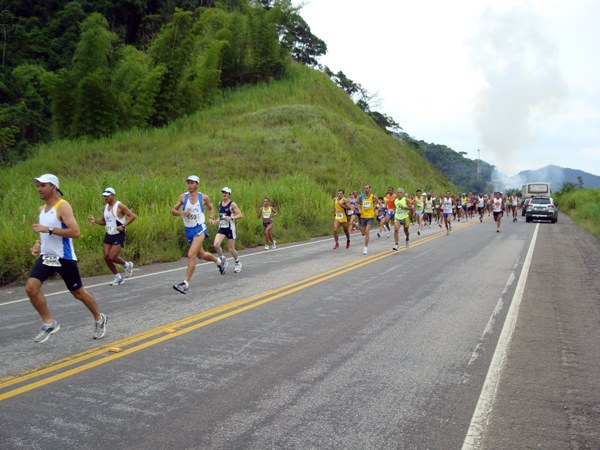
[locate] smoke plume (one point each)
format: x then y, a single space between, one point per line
523 83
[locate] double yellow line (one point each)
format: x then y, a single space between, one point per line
18 384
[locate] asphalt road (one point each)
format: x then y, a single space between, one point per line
314 348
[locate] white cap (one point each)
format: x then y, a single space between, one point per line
108 191
48 178
193 178
226 189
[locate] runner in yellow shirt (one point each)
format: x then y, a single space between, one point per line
402 217
367 214
340 205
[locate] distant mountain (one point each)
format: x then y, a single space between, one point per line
557 176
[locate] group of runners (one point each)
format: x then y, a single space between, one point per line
57 227
399 210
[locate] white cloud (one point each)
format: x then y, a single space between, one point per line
535 73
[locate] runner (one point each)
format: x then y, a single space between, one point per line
352 212
267 212
448 205
380 213
117 216
391 209
514 203
190 206
419 205
57 228
367 214
498 208
401 218
229 213
428 208
340 205
481 206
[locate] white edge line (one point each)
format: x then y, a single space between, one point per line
26 299
481 415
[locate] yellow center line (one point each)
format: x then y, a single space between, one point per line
191 323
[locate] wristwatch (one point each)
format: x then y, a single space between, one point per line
50 230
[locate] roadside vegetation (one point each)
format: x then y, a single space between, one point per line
582 205
297 140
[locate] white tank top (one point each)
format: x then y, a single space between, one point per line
497 205
55 245
111 219
196 210
447 205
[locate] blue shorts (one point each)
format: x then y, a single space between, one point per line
266 224
447 214
192 232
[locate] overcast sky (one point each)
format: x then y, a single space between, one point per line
519 80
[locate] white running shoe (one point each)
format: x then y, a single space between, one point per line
266 247
238 267
128 269
365 251
274 245
396 246
181 287
407 244
221 264
118 280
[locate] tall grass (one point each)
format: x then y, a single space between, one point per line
583 206
296 140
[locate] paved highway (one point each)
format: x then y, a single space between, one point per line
311 347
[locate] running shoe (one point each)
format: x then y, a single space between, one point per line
181 287
46 331
497 231
365 251
266 247
396 246
238 267
407 244
347 244
418 232
274 245
336 246
221 264
128 269
100 327
118 280
378 234
447 232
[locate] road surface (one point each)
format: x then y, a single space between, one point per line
477 339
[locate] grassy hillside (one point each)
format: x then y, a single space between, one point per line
583 206
296 140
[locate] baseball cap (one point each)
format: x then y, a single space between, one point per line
193 178
48 178
226 189
108 191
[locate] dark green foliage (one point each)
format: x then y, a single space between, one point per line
459 170
106 65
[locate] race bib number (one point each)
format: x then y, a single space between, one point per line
339 215
266 215
111 230
223 224
51 260
366 204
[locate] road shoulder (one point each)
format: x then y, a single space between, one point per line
549 391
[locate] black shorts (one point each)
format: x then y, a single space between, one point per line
68 271
227 232
115 239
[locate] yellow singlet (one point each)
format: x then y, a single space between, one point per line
340 212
